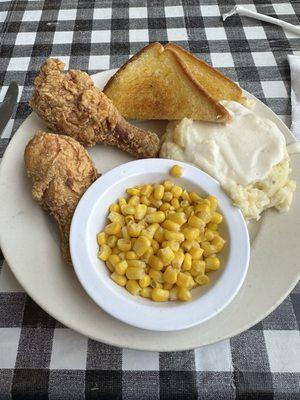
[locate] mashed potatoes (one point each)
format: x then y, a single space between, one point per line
276 190
247 156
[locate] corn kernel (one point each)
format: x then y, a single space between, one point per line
166 255
185 195
116 217
178 260
171 244
145 281
165 207
208 248
141 245
167 196
173 293
160 294
156 263
175 203
134 273
168 185
159 235
167 286
195 197
184 294
133 287
212 226
113 228
183 280
146 292
124 244
212 263
196 253
158 192
145 200
136 263
196 222
140 211
191 233
119 279
101 238
205 216
155 217
134 201
114 259
133 191
176 171
115 250
125 232
188 244
155 284
216 218
198 266
110 266
104 253
121 267
114 207
156 203
146 190
148 253
176 191
170 225
130 255
218 242
174 236
178 217
213 202
202 207
202 279
134 229
209 234
157 276
111 241
187 262
170 275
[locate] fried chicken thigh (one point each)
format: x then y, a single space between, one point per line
71 105
61 171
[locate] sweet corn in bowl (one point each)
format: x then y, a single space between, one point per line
161 241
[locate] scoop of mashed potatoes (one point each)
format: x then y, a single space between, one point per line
274 190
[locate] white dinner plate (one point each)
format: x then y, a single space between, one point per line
30 243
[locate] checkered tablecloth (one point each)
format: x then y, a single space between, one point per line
40 358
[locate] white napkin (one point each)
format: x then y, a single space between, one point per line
294 62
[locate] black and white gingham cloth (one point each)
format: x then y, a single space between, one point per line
39 358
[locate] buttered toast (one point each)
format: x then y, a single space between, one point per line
156 83
213 81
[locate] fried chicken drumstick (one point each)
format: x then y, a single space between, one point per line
71 105
61 171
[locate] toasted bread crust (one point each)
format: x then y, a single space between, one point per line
214 111
133 58
224 115
234 87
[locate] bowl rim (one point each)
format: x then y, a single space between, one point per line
133 312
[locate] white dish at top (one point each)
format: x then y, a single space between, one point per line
54 286
90 218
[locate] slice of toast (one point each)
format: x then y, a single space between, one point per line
213 81
156 84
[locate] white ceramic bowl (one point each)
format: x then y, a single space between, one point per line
90 217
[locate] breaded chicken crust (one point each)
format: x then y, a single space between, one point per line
71 105
61 171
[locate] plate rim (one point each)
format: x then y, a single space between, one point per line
154 347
